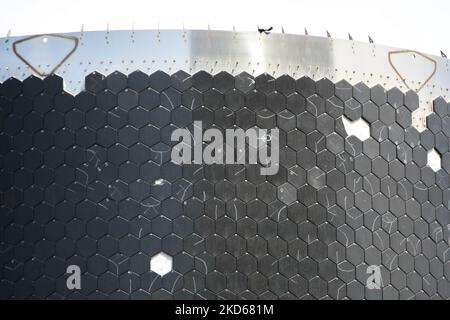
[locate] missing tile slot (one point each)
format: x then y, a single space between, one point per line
434 160
358 128
161 263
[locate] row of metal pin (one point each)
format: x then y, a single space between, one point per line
267 31
260 30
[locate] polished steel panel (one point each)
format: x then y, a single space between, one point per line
235 52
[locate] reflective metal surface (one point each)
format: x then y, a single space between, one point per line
215 51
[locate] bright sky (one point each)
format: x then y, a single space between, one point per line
420 25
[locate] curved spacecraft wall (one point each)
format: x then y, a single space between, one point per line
120 162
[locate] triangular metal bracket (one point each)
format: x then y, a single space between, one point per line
29 64
391 53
